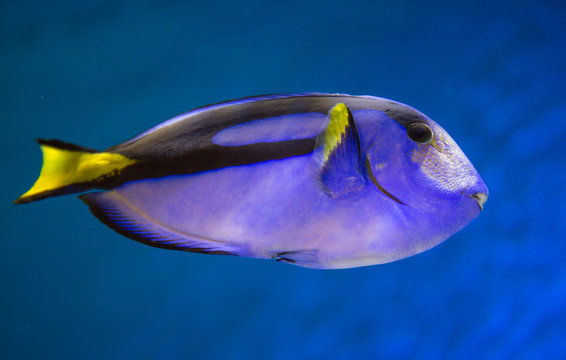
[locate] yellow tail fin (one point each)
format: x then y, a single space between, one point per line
67 168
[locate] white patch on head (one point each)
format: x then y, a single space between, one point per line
443 162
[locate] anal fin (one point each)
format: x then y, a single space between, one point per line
112 209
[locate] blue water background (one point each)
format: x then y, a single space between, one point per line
96 73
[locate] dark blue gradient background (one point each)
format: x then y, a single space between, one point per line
96 73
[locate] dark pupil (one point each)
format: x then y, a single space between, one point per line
419 132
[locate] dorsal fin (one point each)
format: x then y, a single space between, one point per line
342 169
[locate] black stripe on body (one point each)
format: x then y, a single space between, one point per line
211 158
186 147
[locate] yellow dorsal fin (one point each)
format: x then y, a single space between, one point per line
336 130
65 165
341 159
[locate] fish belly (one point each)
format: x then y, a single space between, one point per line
258 207
274 209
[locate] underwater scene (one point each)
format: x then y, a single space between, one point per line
363 228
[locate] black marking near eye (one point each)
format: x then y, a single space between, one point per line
420 132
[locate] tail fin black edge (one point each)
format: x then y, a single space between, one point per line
64 145
75 188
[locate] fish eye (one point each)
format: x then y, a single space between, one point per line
419 132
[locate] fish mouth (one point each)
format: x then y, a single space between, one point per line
378 185
480 199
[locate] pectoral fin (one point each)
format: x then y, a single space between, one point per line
342 169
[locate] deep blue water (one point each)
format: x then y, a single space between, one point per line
96 73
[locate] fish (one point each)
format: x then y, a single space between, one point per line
323 181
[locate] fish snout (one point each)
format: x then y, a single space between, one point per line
480 198
478 192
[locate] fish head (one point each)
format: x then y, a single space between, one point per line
415 162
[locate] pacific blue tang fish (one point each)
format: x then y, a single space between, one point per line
318 180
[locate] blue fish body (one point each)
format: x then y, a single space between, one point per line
317 180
